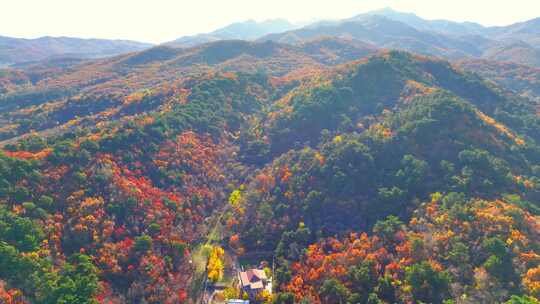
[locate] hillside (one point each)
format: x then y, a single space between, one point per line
366 176
63 93
48 98
521 79
372 142
527 31
18 50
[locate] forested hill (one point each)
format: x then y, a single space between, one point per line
55 95
392 178
47 97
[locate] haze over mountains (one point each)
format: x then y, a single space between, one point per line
18 50
385 28
247 30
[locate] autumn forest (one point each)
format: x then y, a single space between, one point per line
342 169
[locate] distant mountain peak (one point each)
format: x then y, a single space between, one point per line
245 30
389 12
411 19
387 9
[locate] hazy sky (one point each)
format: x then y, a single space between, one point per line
164 20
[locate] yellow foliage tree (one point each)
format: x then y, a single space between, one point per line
215 264
264 297
234 198
231 293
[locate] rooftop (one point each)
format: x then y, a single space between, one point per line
253 278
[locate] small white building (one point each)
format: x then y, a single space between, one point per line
237 301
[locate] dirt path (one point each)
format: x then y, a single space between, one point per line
200 285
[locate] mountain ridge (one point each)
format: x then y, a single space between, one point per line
19 50
246 30
452 40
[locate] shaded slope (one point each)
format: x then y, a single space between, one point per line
343 99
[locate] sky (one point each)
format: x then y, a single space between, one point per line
159 21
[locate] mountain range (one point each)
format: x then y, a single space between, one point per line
386 28
23 51
17 50
247 30
26 90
